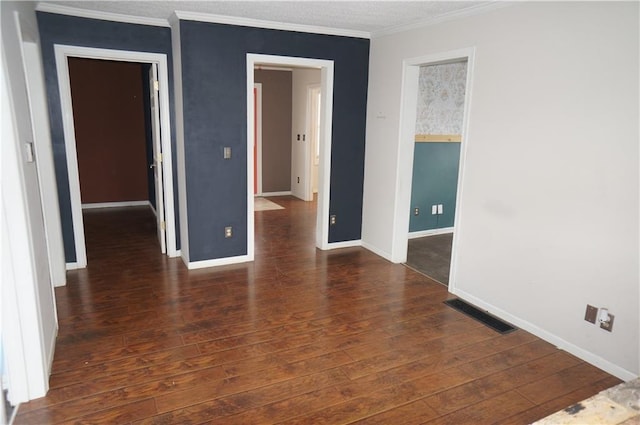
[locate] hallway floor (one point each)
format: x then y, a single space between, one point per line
299 336
431 256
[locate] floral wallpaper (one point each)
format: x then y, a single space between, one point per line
441 98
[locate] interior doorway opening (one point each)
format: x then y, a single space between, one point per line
162 159
405 210
301 147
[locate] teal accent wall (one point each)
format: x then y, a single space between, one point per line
435 181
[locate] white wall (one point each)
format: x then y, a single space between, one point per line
301 79
549 205
29 335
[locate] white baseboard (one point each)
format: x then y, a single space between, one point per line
178 253
153 209
217 262
52 350
345 244
115 204
581 353
72 266
265 194
379 252
430 232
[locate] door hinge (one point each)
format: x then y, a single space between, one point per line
163 225
156 85
159 157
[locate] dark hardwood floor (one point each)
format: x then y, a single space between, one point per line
299 336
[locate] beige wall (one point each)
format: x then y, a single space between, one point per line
276 129
548 213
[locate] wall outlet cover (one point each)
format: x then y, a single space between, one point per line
608 325
591 314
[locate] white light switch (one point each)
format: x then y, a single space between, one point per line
439 208
434 209
227 152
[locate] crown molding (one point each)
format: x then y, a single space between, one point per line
104 16
258 23
475 10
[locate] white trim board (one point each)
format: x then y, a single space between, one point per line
377 251
62 53
258 137
103 16
284 193
547 336
73 266
345 244
430 232
259 23
193 265
123 204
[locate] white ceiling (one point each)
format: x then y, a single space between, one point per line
363 16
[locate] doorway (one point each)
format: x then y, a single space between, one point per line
407 154
436 161
324 166
162 158
287 123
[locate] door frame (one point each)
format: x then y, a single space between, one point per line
156 149
258 139
404 168
62 53
308 169
324 168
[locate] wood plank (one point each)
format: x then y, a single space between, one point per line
430 138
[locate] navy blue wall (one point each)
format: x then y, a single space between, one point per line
215 115
69 30
435 181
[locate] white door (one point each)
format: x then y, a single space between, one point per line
157 155
314 130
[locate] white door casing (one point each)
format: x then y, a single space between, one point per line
258 136
313 130
408 106
157 155
62 53
324 169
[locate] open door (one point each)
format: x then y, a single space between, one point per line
157 155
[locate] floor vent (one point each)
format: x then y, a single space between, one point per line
483 317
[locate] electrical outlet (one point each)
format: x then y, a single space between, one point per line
591 314
416 211
228 232
608 325
332 219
